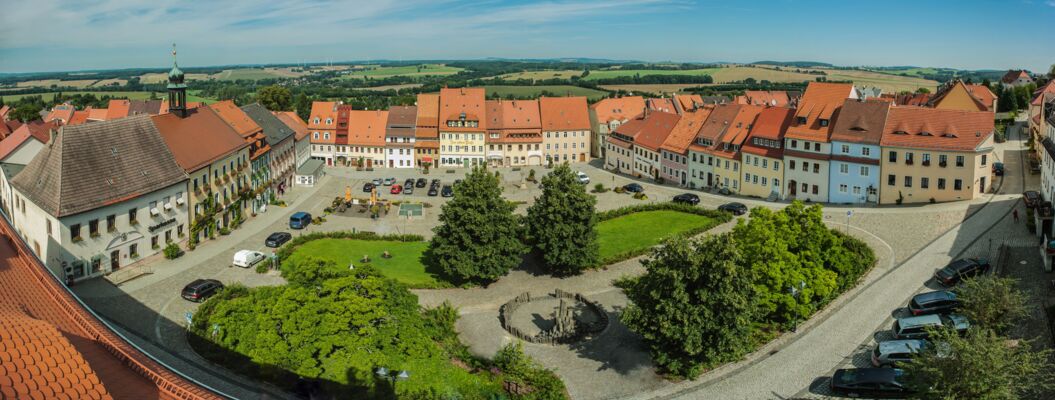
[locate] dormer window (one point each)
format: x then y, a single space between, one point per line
949 135
329 121
801 120
925 133
824 122
316 120
900 133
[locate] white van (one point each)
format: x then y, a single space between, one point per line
247 258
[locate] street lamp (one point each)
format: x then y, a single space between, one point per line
795 292
392 375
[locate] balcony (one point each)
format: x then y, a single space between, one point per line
908 162
926 163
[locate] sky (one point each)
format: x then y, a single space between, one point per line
61 35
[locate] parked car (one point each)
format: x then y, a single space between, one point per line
408 183
892 352
959 269
998 169
633 188
201 289
916 327
583 179
434 191
247 258
870 382
408 190
421 182
277 239
396 189
1031 198
377 181
733 208
938 302
299 220
367 187
390 181
447 191
435 182
687 198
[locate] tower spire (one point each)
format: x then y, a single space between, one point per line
177 89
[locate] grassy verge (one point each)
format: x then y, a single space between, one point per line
629 232
404 265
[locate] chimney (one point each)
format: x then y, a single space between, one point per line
52 134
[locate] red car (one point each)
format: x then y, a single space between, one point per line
396 189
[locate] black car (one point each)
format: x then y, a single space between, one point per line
434 191
447 191
633 188
421 182
200 289
733 208
277 239
998 169
408 183
959 269
367 187
435 182
687 198
939 302
870 382
1031 198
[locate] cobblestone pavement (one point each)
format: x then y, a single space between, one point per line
613 365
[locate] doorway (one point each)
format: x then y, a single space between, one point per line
981 186
791 188
115 260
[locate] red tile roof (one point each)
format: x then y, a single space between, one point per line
661 104
236 118
98 114
771 124
685 131
79 117
4 111
514 121
52 347
117 109
564 113
983 93
821 101
428 116
14 141
321 111
736 133
40 130
931 128
456 102
772 98
198 139
367 128
861 122
61 112
621 109
686 102
293 121
716 125
1039 93
655 129
1012 75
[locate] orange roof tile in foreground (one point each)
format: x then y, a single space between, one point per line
367 128
52 347
428 116
117 109
564 113
456 102
772 98
293 121
685 131
61 112
716 125
655 129
686 102
515 121
771 124
198 139
78 117
236 118
821 101
661 104
98 114
1038 95
931 128
737 131
321 111
621 109
983 93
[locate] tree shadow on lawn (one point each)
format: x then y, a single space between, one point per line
616 348
529 263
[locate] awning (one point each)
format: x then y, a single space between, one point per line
426 159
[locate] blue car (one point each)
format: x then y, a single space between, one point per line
299 220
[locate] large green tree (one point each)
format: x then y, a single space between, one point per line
561 223
693 306
991 302
980 365
479 237
26 112
275 98
302 104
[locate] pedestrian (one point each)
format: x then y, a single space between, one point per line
1014 214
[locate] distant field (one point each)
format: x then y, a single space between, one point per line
539 75
887 82
394 87
615 73
80 83
163 77
109 82
657 88
130 95
374 71
534 91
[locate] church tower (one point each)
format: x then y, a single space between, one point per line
177 89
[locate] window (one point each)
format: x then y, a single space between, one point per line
908 181
111 223
794 143
892 157
890 179
75 232
846 149
844 169
816 168
984 157
776 182
132 213
791 164
48 221
93 228
957 184
735 166
765 162
824 122
805 166
776 165
842 188
763 181
154 242
133 249
866 151
924 183
747 177
805 188
864 171
943 160
908 158
814 189
941 183
857 190
959 161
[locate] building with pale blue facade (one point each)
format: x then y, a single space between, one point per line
854 167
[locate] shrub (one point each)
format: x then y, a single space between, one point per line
172 251
225 231
640 196
599 188
263 266
619 189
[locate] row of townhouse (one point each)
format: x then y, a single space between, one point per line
834 147
92 198
456 127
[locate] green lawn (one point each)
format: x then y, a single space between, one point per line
643 230
130 95
534 91
404 266
375 71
